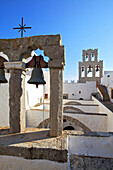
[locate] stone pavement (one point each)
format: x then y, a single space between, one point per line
33 143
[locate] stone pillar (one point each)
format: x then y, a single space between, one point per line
79 70
17 101
93 70
89 56
85 71
56 110
16 96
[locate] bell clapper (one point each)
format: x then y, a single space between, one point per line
36 85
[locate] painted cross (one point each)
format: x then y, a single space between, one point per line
22 28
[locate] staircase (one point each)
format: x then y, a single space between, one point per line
106 95
104 92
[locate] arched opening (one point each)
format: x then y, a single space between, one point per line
37 98
69 123
81 99
4 93
69 128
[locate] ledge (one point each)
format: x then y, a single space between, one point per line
34 143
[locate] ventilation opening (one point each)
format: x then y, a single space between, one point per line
69 128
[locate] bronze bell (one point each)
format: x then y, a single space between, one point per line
2 76
89 69
97 68
37 77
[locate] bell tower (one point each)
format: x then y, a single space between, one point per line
90 69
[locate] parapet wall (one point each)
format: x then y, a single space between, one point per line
91 151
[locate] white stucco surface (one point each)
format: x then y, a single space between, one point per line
4 103
16 163
79 90
93 122
33 95
107 81
102 108
88 109
34 117
91 146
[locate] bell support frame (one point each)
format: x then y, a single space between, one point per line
21 48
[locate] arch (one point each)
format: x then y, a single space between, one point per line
73 108
3 55
46 122
72 103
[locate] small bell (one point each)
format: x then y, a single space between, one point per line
82 69
37 77
92 55
89 69
97 68
86 55
2 76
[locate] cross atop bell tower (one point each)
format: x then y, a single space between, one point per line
22 28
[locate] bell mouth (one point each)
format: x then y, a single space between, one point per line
39 83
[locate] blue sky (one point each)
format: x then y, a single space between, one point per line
83 24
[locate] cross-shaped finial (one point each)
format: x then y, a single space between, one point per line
22 28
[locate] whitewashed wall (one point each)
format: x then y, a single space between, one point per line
34 117
16 163
47 85
33 95
91 146
93 122
36 95
103 109
108 82
73 88
87 109
4 103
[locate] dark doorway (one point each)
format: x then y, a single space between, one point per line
69 128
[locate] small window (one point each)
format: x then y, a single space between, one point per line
79 92
46 96
65 96
111 93
72 94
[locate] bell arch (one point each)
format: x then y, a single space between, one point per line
45 123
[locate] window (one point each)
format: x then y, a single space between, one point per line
65 96
79 92
111 93
46 96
